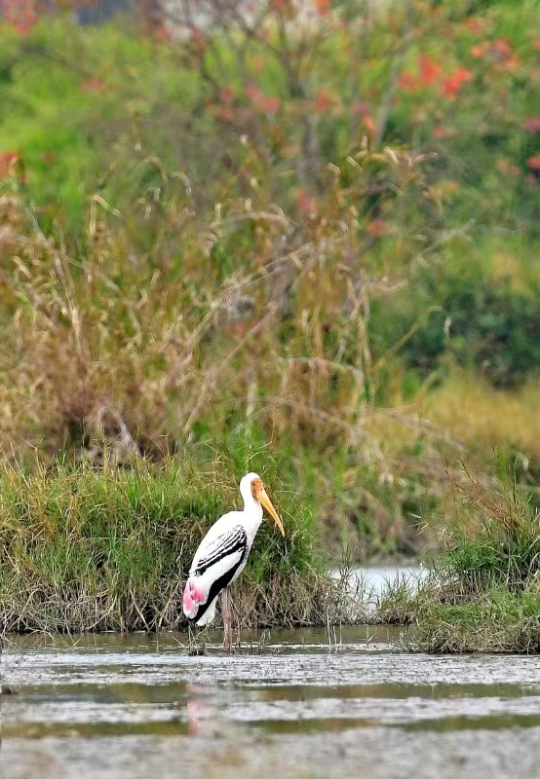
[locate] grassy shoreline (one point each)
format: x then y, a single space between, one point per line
483 594
87 550
109 550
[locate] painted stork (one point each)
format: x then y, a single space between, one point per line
222 556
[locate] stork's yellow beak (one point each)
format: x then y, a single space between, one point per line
265 501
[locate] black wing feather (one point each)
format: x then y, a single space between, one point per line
233 541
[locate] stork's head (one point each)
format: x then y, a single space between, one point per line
251 484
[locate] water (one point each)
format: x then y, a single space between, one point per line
138 706
369 585
377 580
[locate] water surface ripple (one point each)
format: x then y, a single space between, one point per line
125 707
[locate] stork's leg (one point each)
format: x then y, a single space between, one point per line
227 620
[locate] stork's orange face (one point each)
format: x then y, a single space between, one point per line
259 493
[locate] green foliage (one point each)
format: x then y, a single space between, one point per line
71 97
81 100
480 317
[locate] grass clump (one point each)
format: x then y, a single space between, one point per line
495 541
496 621
103 550
402 601
484 593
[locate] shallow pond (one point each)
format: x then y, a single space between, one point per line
139 706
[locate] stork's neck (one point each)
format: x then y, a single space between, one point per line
253 511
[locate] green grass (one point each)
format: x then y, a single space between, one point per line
94 550
483 594
495 537
497 621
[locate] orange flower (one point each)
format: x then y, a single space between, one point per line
369 123
474 25
430 70
254 93
226 94
306 203
377 227
453 83
270 105
264 103
8 160
534 162
11 164
322 6
325 101
480 49
93 84
442 132
502 49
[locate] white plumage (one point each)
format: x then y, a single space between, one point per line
223 552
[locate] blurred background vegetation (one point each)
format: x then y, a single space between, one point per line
297 233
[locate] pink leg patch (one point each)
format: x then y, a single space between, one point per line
193 595
196 592
188 601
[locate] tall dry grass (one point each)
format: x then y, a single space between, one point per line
236 319
168 326
225 287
